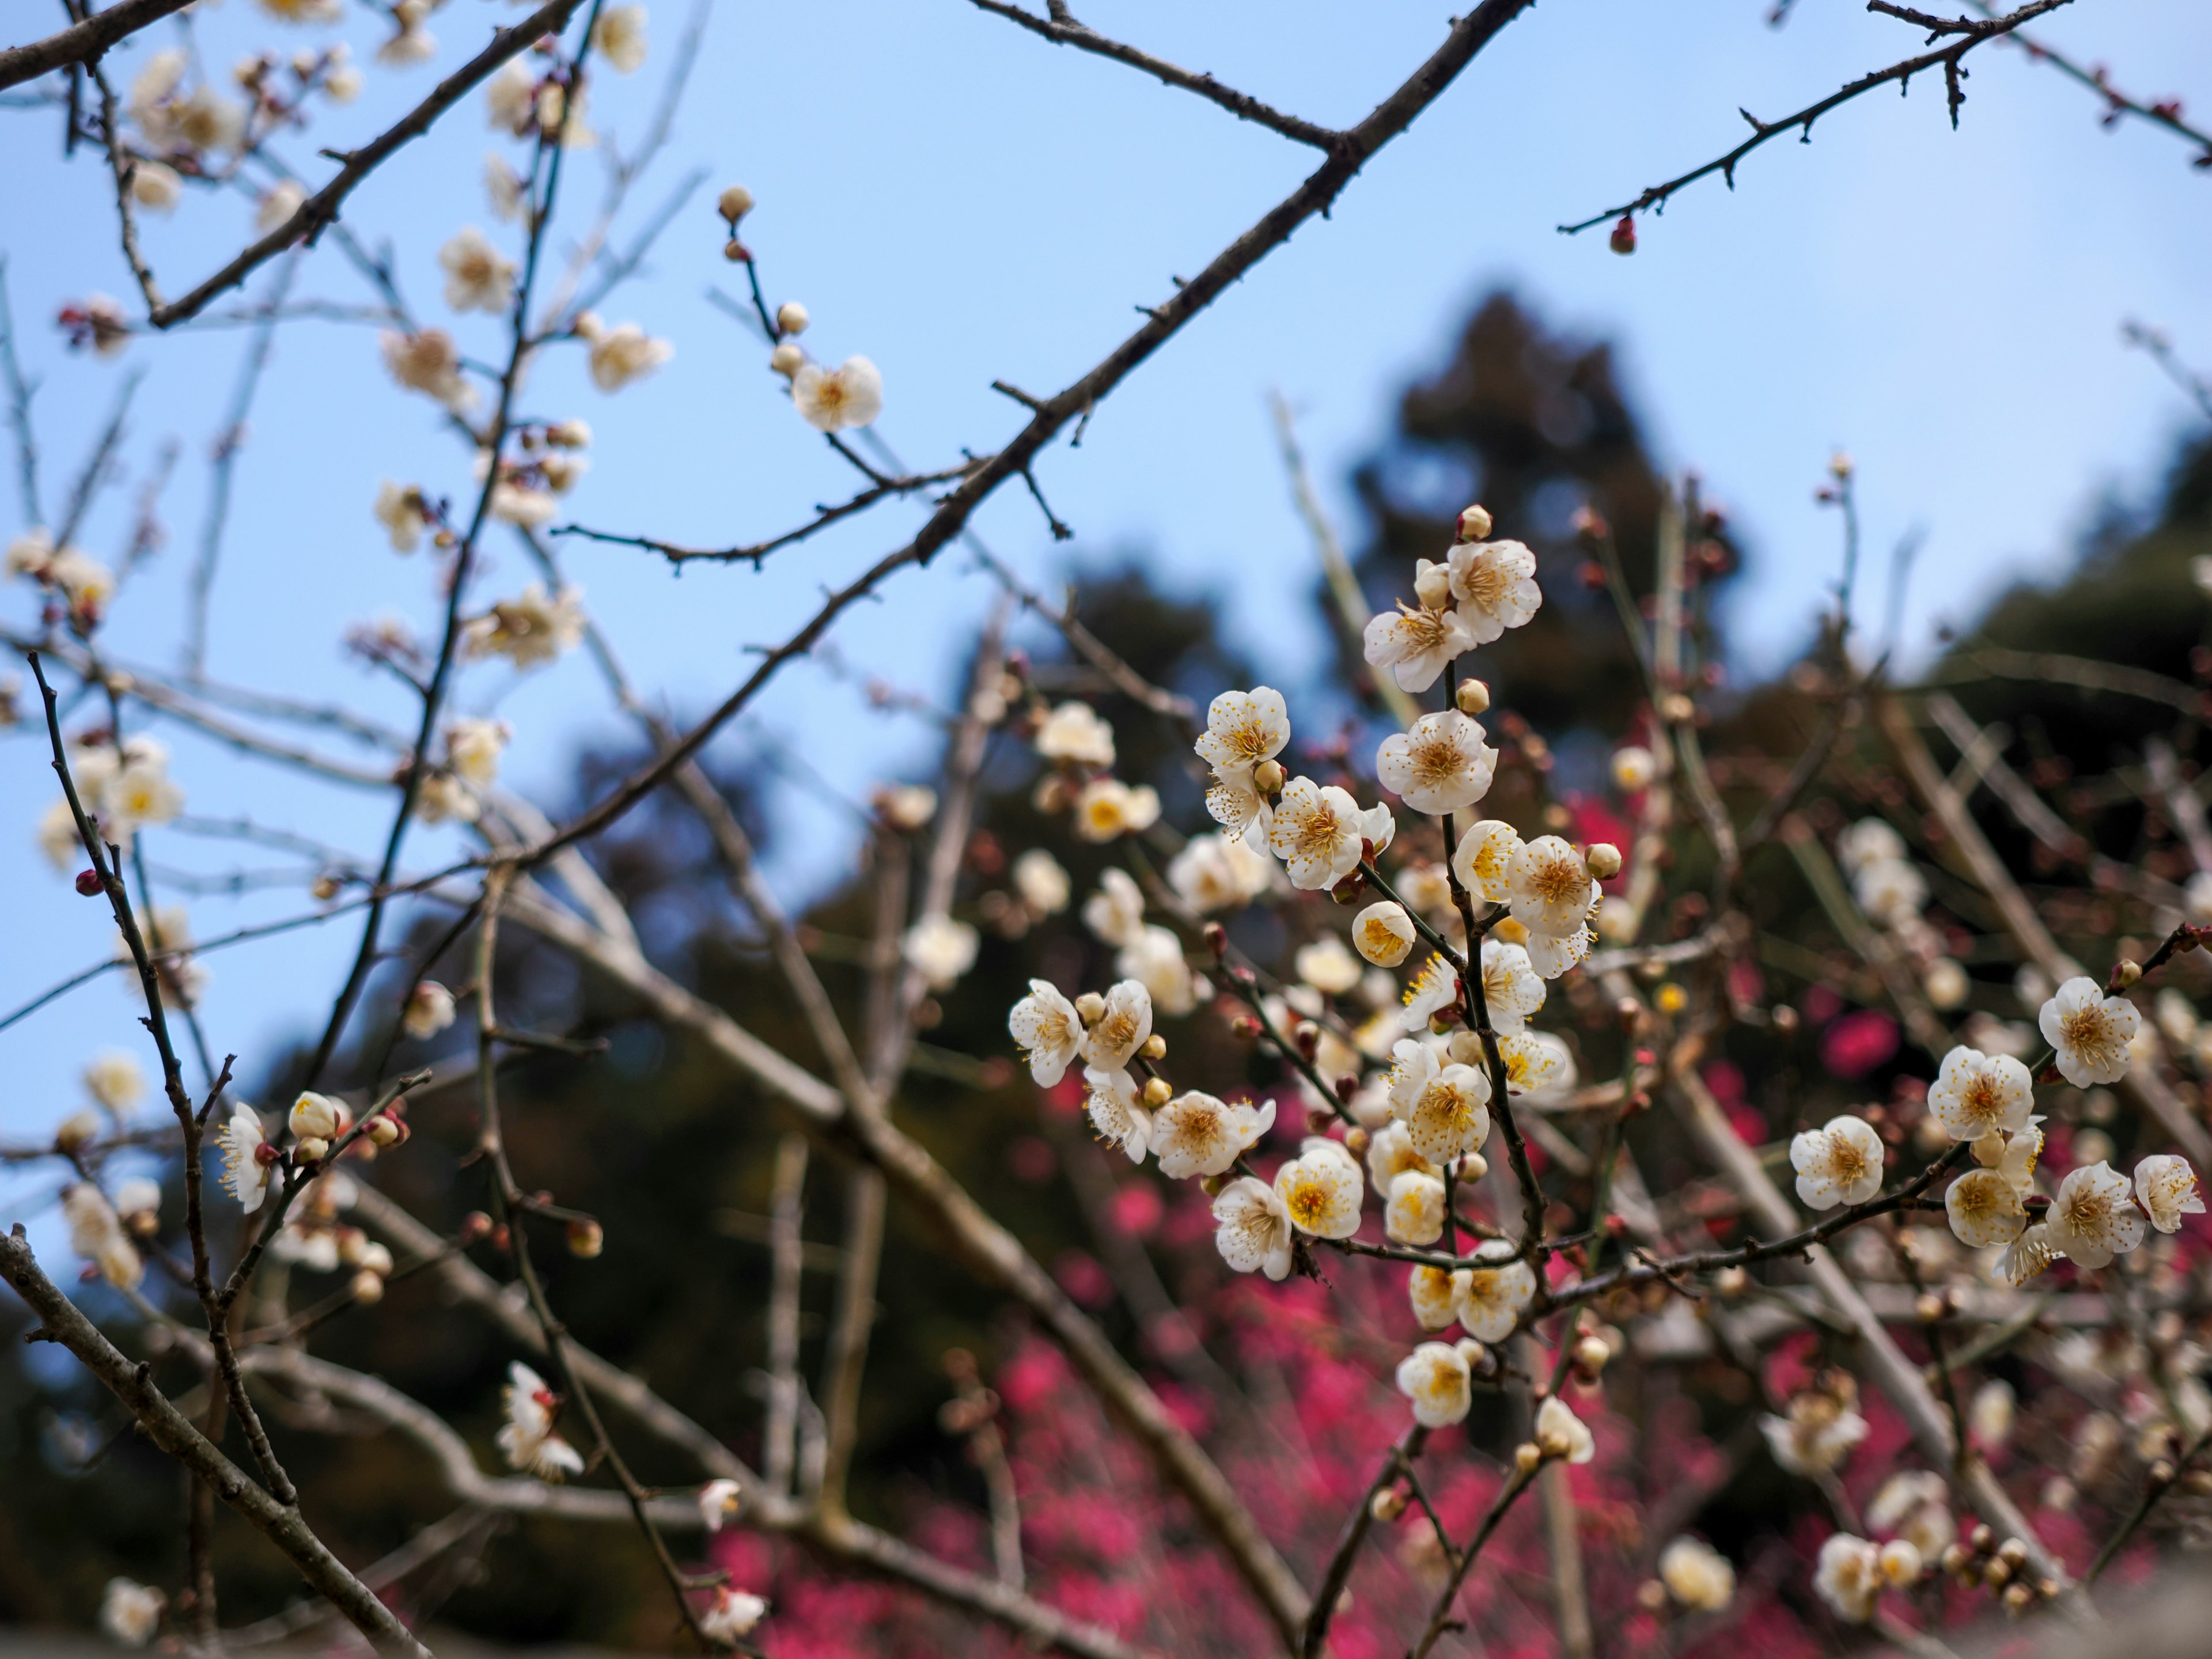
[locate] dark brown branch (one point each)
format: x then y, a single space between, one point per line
84 42
1062 30
1972 34
1331 1590
2117 104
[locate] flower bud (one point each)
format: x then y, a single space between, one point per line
1216 939
736 252
88 882
476 1226
1996 1572
1591 1354
1622 239
1244 1026
76 1130
1268 777
1319 1120
1956 1559
1090 1007
1432 585
312 1149
2017 1598
1155 1047
266 1154
1603 859
1527 1456
791 317
324 888
1212 1185
1677 710
2125 973
1731 1282
587 1238
1346 1086
1474 523
734 202
1473 1166
1900 1563
1351 890
315 1117
787 359
1157 1091
1472 696
1356 1141
1388 1504
2013 1553
367 1288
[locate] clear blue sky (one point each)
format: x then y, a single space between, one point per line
963 201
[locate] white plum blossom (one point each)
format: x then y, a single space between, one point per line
428 361
156 188
527 1436
1244 728
1697 1575
1484 861
131 1612
1384 933
2166 1188
1155 960
1318 833
1817 1435
140 1195
511 97
1839 1164
478 276
1390 1153
1196 1135
719 1500
2094 1218
1444 1108
1120 1028
1253 1228
1561 1434
1495 583
532 628
1218 873
1117 1110
1044 1023
1108 807
1850 1577
401 510
940 950
1435 1377
1633 768
1890 891
1042 882
1116 911
2090 1032
731 1614
620 38
1415 643
1533 1062
116 1080
244 1172
1976 1094
277 205
1434 987
1439 765
428 1010
1916 1504
1415 1212
473 748
1326 966
2027 1256
831 399
1549 888
1434 1294
1512 989
96 1234
1078 732
1870 841
1321 1189
318 1117
626 353
1490 1298
1984 1209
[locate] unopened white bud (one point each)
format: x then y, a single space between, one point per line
787 359
1474 523
1603 860
1090 1007
791 317
1472 697
1432 585
367 1287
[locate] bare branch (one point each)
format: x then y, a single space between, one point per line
84 42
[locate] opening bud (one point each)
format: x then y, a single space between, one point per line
736 253
1157 1091
1474 523
2125 973
1527 1456
1603 860
312 1149
1386 1504
1089 1007
1591 1355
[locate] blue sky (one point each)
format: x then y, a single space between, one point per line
963 201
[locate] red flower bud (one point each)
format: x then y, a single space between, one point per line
88 882
1622 239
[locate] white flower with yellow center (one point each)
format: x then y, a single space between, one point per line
1042 882
473 748
1384 933
1433 989
620 38
1252 1228
1321 1189
399 508
1390 1153
1435 1377
1121 1026
2090 1031
1870 841
428 363
141 793
2094 1218
1196 1135
1155 960
478 276
1495 583
1976 1094
1318 833
131 1612
940 950
1439 765
1633 768
1077 732
1890 891
730 1614
1535 1061
2014 1157
318 1117
2027 1256
1415 642
1511 988
245 1171
1549 887
1560 1434
831 399
1117 1111
534 627
1984 1209
2167 1189
626 353
1244 728
1434 1294
96 1234
527 1436
1107 808
1326 966
1116 912
116 1080
1444 1108
1850 1576
1484 858
1219 872
1839 1164
1045 1025
1916 1504
1415 1213
1495 1291
1817 1435
1698 1576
